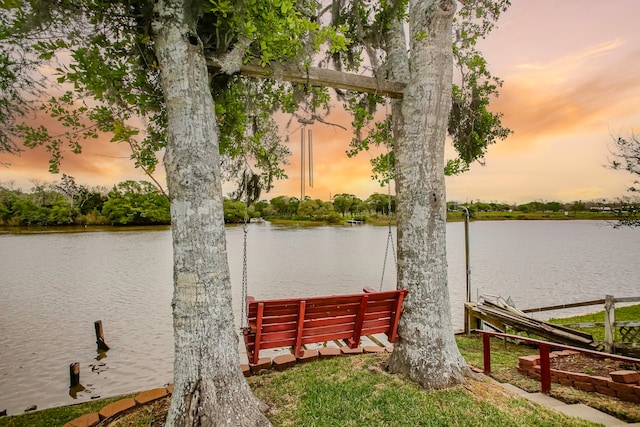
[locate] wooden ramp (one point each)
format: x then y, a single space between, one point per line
499 315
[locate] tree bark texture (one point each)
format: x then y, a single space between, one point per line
426 350
209 388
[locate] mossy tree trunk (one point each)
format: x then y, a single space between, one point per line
426 350
209 388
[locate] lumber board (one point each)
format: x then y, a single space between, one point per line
562 334
321 77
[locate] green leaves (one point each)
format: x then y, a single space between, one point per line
471 125
222 7
132 202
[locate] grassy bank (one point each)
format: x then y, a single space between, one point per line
356 391
350 391
382 220
57 416
531 216
623 314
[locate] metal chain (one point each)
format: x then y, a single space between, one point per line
244 322
390 232
245 231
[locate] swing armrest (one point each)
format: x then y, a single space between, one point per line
253 327
252 324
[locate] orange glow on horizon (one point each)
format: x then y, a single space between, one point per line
570 84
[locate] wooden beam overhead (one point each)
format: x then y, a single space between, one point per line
322 77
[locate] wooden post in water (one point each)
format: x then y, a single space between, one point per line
609 322
74 374
100 336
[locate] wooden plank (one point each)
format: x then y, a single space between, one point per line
357 329
627 324
329 329
320 77
258 335
274 320
375 328
299 329
627 299
330 336
538 327
562 306
585 325
393 329
330 321
278 327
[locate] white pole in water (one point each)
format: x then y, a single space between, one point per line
302 177
467 326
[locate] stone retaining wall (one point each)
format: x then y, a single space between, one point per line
621 384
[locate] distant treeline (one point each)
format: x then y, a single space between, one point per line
67 203
141 203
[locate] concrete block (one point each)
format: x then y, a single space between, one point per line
150 396
584 386
527 361
626 377
263 363
285 361
346 351
246 371
117 408
87 420
325 352
308 356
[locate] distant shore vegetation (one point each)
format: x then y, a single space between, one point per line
135 203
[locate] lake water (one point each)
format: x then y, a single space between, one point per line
54 286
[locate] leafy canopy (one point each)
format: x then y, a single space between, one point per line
102 56
472 127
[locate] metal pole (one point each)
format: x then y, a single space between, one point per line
467 320
310 155
302 177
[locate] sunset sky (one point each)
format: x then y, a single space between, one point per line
571 72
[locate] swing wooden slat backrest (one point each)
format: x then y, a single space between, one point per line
295 322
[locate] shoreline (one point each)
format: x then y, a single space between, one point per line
378 221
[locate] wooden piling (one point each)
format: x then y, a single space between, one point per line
100 336
609 323
74 374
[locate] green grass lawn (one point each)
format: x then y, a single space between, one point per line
57 416
354 391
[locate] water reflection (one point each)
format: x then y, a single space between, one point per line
125 279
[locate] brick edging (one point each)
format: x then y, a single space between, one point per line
120 407
278 363
625 385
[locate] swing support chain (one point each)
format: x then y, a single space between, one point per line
390 242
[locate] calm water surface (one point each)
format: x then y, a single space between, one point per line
54 286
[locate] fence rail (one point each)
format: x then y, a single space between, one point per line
544 348
609 319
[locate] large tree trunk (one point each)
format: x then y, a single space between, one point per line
209 388
426 350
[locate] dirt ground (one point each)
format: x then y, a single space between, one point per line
589 365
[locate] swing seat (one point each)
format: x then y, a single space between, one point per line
297 321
